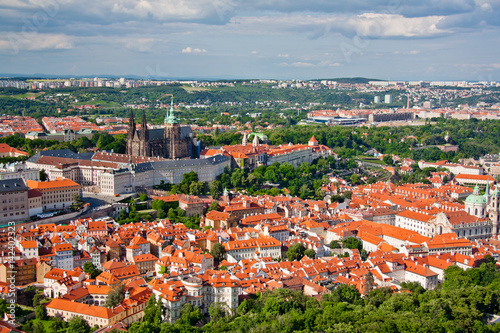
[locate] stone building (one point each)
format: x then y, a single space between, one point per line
173 141
13 200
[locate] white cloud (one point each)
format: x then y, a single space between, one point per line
189 49
140 44
386 25
283 55
323 63
254 52
406 52
15 42
368 25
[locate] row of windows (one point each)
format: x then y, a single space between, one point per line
14 207
12 200
12 214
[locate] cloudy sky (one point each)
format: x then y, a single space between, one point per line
283 39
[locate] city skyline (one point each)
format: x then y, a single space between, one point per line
390 40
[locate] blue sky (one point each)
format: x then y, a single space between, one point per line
282 39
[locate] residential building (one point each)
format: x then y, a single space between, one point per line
14 204
23 271
263 246
56 194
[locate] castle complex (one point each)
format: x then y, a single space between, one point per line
173 141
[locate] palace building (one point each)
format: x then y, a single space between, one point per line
173 141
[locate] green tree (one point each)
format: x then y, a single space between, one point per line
57 325
3 306
158 204
41 312
215 188
196 188
295 252
334 244
90 269
214 205
218 252
36 300
190 315
78 325
78 203
369 283
115 295
352 243
150 309
218 310
143 197
160 213
355 179
388 160
188 179
43 175
310 253
38 327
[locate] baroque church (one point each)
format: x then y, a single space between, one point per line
173 141
485 206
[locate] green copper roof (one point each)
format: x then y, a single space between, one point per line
496 192
476 197
261 136
170 117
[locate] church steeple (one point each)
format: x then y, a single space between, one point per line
244 142
487 192
167 115
144 127
130 133
171 118
255 141
131 126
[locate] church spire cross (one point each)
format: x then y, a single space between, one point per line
171 118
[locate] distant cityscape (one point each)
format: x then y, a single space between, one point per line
118 204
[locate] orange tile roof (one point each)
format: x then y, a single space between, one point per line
83 309
52 184
475 177
415 216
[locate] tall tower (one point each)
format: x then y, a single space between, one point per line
130 133
173 133
494 210
255 141
144 136
244 142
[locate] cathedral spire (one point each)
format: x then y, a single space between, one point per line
131 126
172 114
168 114
171 119
144 127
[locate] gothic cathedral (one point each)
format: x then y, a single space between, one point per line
173 141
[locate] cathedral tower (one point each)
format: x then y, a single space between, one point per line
173 134
130 133
144 136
